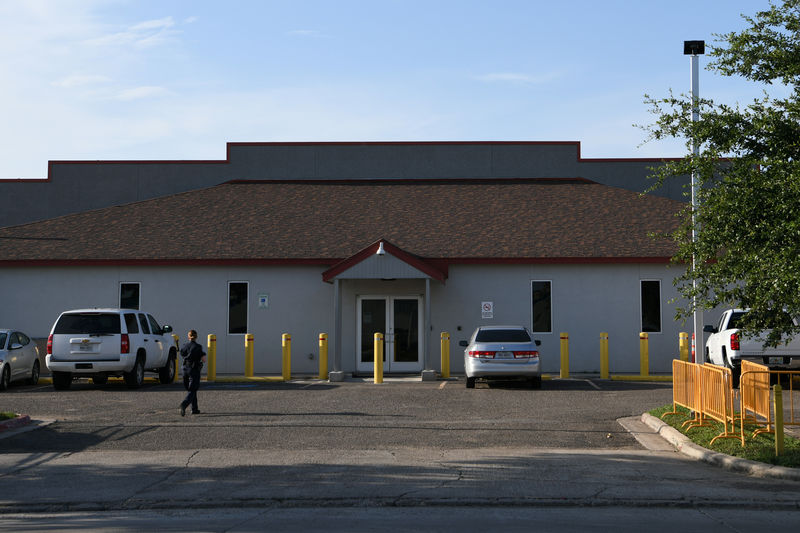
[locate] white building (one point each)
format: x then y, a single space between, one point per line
410 239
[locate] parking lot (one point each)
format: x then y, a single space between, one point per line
279 453
315 414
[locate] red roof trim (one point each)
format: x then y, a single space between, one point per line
162 262
391 249
435 267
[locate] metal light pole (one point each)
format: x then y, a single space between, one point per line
694 49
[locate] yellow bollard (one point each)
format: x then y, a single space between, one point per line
604 355
644 354
778 399
445 342
564 355
249 342
378 348
286 351
683 346
212 358
323 356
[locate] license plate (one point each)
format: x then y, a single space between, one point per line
775 361
85 348
504 355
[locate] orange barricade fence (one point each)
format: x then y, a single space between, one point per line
686 390
755 393
716 389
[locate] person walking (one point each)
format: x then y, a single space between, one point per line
193 359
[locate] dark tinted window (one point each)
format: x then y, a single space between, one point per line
3 337
542 306
23 339
143 322
503 335
154 327
129 295
131 323
14 339
88 323
237 307
651 306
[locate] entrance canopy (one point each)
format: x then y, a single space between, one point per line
383 260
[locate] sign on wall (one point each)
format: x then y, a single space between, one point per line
487 309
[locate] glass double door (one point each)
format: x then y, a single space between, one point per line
400 320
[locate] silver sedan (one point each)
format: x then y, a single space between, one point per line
502 352
19 358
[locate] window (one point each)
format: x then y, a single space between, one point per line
154 327
542 321
130 322
651 305
88 323
129 295
143 323
237 307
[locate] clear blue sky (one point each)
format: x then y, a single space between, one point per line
115 79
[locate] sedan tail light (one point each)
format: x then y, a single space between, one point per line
50 345
125 344
481 354
734 341
526 355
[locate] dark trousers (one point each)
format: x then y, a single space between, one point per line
191 382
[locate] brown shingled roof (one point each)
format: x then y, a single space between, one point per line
325 222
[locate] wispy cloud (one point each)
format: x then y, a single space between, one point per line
141 93
145 34
80 80
518 77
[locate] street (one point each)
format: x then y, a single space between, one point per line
357 456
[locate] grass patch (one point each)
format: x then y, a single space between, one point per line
5 415
761 448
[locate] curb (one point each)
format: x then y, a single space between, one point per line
14 423
736 464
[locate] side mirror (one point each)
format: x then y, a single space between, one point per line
463 343
538 342
709 329
167 329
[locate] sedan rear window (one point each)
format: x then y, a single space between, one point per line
503 335
88 323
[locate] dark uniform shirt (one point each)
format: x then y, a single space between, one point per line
192 354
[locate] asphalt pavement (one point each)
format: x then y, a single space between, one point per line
397 456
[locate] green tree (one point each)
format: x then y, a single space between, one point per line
747 250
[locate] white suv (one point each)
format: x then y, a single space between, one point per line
99 343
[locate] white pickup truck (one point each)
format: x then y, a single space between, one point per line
727 347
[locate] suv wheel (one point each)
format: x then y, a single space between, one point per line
62 380
536 382
135 377
470 382
166 375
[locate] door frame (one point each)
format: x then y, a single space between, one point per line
389 364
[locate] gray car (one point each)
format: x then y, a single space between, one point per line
502 352
19 358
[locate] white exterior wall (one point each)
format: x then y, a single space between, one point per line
586 300
300 303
